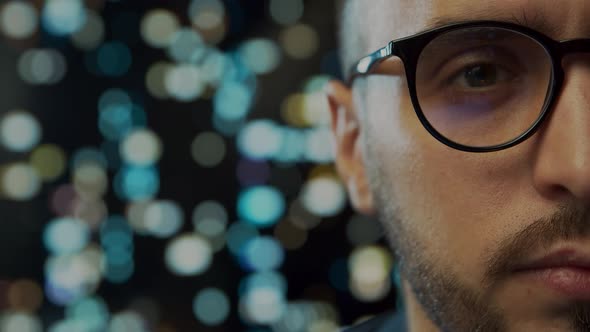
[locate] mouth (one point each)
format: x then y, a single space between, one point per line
565 271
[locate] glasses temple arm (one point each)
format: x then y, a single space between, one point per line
366 64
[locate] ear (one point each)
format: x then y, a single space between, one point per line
349 157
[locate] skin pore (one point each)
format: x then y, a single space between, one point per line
459 222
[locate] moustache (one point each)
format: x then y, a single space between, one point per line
566 224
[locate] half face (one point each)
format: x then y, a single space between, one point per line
487 242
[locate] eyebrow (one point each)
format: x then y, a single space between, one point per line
536 21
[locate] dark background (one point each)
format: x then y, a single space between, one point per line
317 272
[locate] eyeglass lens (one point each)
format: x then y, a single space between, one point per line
482 87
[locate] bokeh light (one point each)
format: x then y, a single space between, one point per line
18 19
20 182
70 278
21 322
91 313
232 101
137 183
90 181
301 217
209 17
238 235
206 14
260 139
261 56
66 236
25 296
141 147
210 218
315 111
324 196
155 79
324 326
114 97
19 131
158 27
163 218
262 305
88 157
261 206
263 254
184 82
286 12
307 315
63 17
91 34
208 149
183 45
370 270
267 279
319 145
135 213
91 211
117 119
186 145
214 65
116 238
127 321
211 306
42 66
188 255
300 41
49 161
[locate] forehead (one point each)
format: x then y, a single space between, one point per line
399 18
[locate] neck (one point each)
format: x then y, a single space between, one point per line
416 318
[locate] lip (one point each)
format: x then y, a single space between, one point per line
565 271
558 259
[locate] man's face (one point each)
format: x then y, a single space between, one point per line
461 222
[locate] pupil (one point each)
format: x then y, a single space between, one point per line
481 76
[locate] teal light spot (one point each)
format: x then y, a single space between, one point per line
86 156
117 120
232 101
238 235
63 17
263 254
137 183
268 279
114 97
211 306
91 312
261 206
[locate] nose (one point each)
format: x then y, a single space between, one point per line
562 162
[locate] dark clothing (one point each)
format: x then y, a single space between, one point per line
388 322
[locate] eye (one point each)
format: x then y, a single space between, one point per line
483 75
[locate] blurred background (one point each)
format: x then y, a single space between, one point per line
167 166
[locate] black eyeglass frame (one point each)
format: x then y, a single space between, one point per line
408 49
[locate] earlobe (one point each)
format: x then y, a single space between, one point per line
348 148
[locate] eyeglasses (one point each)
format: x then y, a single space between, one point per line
479 86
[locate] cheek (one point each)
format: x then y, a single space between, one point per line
458 204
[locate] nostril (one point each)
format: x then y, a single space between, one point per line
557 192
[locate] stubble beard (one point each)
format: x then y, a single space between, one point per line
450 304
